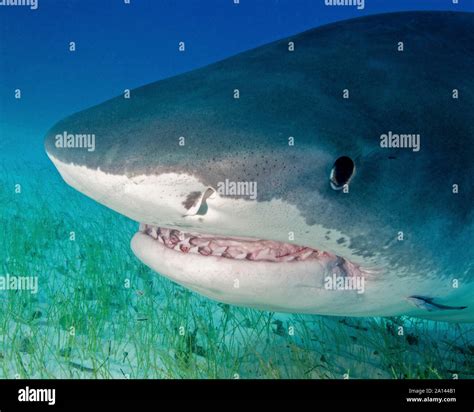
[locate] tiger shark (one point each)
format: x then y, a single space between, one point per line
329 172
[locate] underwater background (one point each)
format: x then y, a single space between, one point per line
98 311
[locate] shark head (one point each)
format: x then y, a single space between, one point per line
324 173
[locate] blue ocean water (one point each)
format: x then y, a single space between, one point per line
128 45
136 330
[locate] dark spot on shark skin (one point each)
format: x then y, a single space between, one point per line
191 199
340 240
364 253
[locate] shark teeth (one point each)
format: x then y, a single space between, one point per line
233 247
233 252
195 241
205 251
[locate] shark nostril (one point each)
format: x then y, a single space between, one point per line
342 172
199 206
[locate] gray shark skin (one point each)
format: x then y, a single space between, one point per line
139 169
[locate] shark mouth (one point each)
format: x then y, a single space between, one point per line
246 249
257 273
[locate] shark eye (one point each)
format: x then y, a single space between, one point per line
341 172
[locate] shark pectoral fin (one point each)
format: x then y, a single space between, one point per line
200 206
426 303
